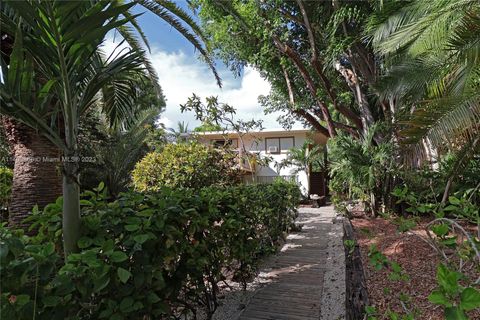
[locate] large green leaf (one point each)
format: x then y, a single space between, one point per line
118 256
123 274
438 297
469 299
455 313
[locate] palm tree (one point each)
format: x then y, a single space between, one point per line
432 50
177 135
53 71
307 158
361 167
57 72
123 150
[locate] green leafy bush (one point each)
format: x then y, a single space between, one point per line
460 205
457 291
143 256
185 165
361 169
413 201
455 298
428 184
6 179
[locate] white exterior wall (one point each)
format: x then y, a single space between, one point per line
257 146
255 143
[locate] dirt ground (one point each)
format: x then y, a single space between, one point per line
414 255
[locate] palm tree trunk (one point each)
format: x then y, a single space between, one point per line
36 173
71 206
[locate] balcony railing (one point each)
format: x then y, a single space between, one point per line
270 179
246 161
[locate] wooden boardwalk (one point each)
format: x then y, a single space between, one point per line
297 273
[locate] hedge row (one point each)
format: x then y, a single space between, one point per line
144 256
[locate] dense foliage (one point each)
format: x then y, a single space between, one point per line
430 51
54 69
5 150
312 52
110 154
361 169
153 256
6 178
185 165
345 66
341 67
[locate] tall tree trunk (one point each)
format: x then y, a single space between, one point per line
353 82
71 206
36 173
71 187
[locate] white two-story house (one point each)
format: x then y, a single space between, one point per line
274 145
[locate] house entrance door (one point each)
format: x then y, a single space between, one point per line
317 183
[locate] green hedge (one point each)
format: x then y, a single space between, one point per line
185 165
144 256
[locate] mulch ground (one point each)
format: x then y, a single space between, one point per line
416 258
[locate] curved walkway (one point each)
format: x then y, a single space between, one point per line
307 278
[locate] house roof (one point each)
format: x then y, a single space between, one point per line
266 131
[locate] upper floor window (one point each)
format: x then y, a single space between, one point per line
277 145
221 143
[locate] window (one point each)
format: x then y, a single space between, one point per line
221 143
277 145
286 144
272 145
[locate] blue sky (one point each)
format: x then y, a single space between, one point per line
181 74
160 32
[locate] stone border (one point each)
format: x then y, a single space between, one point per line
334 286
357 294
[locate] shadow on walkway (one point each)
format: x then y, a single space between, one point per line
294 283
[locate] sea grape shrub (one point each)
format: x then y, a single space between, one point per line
452 296
142 256
460 205
186 165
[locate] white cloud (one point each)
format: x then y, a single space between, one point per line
180 75
167 123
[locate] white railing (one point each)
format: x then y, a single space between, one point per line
270 179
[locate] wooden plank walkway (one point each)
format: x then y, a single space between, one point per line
297 273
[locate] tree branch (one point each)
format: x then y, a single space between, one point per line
287 50
289 86
318 67
307 116
291 17
313 121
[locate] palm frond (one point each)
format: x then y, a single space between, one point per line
419 25
193 38
24 114
136 26
443 120
184 16
127 33
435 72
